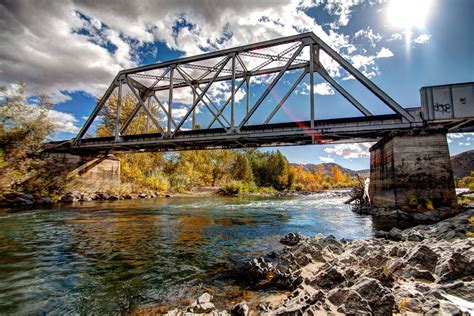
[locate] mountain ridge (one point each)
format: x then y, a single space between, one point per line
462 164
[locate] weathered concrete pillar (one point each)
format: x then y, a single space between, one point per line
412 170
94 169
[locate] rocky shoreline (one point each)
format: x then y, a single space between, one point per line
24 199
427 269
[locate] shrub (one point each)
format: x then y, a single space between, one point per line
298 187
232 188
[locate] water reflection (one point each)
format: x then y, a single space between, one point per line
110 258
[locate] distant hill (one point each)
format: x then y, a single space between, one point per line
352 173
463 164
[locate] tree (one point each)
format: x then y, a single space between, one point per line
24 126
241 169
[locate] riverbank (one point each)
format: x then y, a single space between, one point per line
15 199
427 269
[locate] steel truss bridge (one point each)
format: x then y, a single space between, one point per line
154 88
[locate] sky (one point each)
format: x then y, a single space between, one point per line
71 50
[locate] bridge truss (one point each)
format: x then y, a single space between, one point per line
155 89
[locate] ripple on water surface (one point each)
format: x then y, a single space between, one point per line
111 257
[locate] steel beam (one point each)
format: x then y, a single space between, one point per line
322 71
199 98
285 97
311 84
119 108
364 80
142 105
271 86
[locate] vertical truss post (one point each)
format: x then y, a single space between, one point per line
119 108
311 83
232 105
247 86
170 101
148 117
193 118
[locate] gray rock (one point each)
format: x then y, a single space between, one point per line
455 266
448 308
423 257
379 298
44 201
240 309
420 274
415 236
21 201
204 308
68 198
204 298
328 277
290 239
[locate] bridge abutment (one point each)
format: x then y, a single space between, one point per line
412 170
92 169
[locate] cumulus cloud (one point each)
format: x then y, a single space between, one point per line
395 37
326 159
324 89
422 39
63 122
79 45
349 151
384 53
372 37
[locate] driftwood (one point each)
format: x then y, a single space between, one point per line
357 193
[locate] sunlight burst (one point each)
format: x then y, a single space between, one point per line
408 14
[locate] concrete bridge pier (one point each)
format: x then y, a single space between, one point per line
411 170
92 169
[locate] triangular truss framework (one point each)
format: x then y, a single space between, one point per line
199 72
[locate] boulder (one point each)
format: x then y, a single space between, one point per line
68 198
455 266
378 297
290 239
204 298
349 301
240 309
423 257
328 278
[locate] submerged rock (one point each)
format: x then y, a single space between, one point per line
291 239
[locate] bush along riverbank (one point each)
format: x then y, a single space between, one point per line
427 269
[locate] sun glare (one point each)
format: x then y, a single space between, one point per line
408 14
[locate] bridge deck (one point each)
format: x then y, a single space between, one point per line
341 130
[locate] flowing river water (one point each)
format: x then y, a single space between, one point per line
122 256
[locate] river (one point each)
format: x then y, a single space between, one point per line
117 257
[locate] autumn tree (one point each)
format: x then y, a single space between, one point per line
24 126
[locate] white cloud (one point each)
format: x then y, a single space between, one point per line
326 159
422 39
348 151
384 53
324 89
395 37
320 88
368 34
63 122
62 46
